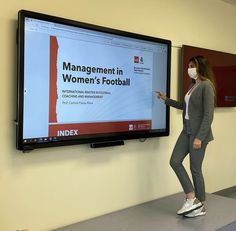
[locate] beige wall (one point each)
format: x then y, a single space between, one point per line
58 186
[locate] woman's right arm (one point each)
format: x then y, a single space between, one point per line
170 102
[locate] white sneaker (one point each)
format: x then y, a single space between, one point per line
189 205
197 212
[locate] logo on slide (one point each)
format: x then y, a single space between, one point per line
138 59
131 127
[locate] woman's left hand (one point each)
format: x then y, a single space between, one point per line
197 144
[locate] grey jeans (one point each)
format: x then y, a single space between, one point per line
183 147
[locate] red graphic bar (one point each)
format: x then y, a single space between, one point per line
95 128
53 80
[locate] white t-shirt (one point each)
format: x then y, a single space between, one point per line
187 97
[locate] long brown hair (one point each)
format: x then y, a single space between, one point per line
204 69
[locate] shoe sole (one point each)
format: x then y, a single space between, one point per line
200 214
198 206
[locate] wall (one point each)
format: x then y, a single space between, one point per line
55 187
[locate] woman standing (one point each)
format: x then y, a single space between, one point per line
198 110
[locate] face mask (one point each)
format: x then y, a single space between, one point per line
192 72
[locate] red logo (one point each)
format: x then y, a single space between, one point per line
136 59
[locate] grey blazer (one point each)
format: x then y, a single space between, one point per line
200 110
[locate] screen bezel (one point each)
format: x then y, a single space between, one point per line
22 14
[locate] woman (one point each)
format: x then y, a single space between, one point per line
198 110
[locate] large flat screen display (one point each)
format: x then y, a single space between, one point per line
82 83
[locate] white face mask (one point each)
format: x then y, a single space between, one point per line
192 72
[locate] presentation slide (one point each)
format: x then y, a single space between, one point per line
97 83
